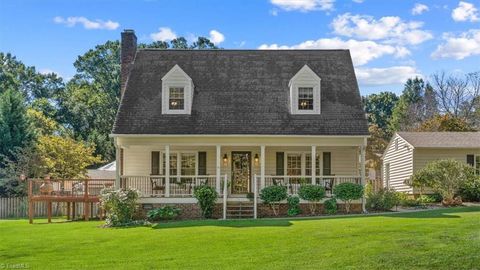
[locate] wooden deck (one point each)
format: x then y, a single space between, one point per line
69 191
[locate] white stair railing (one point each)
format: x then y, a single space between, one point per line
225 192
255 196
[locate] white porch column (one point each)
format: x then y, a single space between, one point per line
262 166
167 170
362 172
314 163
217 168
117 164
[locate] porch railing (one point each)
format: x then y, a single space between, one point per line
293 183
155 185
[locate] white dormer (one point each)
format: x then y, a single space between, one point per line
305 92
177 92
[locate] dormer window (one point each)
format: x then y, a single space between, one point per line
305 92
176 98
305 98
177 92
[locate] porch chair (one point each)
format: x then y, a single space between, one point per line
157 186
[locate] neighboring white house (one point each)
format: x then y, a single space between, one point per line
246 116
408 152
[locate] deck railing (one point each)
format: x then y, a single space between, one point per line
155 185
68 187
293 183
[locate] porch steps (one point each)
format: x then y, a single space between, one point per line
239 210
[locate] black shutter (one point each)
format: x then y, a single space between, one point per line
155 165
202 163
471 160
327 163
280 163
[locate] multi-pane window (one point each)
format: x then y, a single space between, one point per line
181 163
308 165
305 98
294 164
173 164
187 164
176 98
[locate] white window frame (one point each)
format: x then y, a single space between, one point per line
304 161
179 161
177 78
305 78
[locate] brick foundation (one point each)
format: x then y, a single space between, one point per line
192 211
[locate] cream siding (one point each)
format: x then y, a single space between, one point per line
400 159
422 156
137 158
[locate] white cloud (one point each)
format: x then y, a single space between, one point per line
163 34
274 12
385 76
419 9
362 51
87 24
465 12
391 29
464 45
358 1
304 5
216 37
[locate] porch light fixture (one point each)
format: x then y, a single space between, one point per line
256 159
225 159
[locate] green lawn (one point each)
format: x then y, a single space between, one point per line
438 239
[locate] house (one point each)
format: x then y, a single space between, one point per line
408 152
105 172
237 120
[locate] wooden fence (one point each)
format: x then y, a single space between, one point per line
17 207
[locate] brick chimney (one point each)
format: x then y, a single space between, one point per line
127 55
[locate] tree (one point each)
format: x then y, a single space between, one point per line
458 95
42 124
379 108
348 192
65 158
445 123
32 84
376 145
444 177
203 43
15 129
416 103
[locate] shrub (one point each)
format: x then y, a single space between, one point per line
120 206
273 195
163 213
206 197
470 189
382 200
426 199
250 196
330 206
445 177
348 192
293 206
313 194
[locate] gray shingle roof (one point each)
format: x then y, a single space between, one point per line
242 92
442 139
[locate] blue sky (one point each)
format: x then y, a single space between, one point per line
389 40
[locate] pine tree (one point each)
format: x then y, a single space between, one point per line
15 129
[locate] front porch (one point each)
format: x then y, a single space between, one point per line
238 168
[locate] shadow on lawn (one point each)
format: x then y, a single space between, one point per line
225 223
